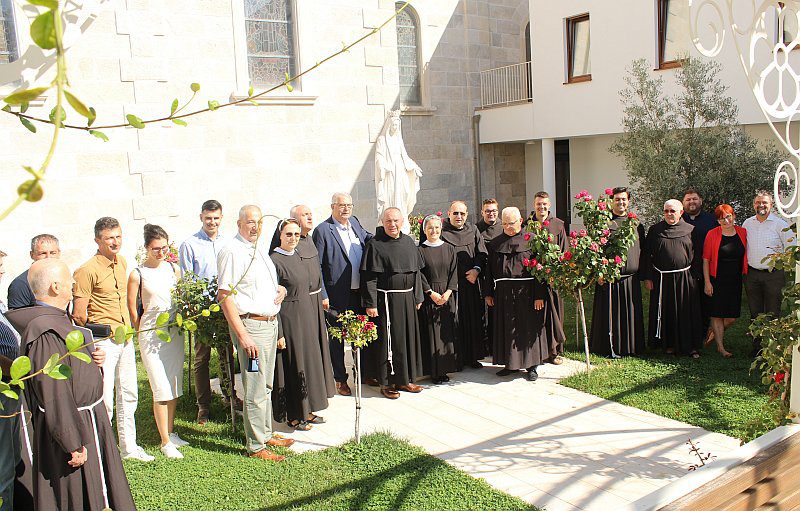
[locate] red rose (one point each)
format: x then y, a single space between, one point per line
573 234
779 377
534 262
438 213
567 255
632 215
527 236
420 221
526 262
617 260
601 206
546 223
609 191
362 318
588 198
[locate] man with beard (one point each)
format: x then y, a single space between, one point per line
471 257
666 261
617 318
702 221
392 292
517 301
76 463
554 312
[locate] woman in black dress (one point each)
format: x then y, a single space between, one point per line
724 263
303 382
437 316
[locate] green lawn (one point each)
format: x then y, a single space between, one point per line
715 393
382 473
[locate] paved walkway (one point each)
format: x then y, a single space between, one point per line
552 446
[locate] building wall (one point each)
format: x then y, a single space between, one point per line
134 56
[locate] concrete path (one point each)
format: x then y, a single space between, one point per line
557 448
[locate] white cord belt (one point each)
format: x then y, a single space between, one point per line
318 291
91 408
25 430
661 291
611 316
389 321
514 278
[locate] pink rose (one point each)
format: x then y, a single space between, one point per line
539 267
573 243
547 270
420 221
594 247
573 234
609 191
588 198
601 206
582 233
617 260
603 240
526 236
578 195
606 232
545 223
632 215
549 238
604 261
438 213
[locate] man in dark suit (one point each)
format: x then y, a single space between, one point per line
340 242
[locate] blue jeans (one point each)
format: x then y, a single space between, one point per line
10 448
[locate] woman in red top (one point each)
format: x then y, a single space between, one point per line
724 263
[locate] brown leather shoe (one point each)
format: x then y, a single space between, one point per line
203 416
557 360
372 382
343 389
266 454
411 387
279 442
390 393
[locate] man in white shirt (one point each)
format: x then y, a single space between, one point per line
252 314
766 234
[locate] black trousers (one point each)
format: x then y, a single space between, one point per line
336 347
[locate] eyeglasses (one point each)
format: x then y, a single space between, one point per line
726 218
670 211
343 206
292 234
156 250
490 211
458 213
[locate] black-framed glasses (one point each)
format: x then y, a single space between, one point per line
459 213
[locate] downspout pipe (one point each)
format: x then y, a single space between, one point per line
476 139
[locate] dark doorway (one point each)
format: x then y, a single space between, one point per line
562 182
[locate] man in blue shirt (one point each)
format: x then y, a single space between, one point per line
198 254
43 246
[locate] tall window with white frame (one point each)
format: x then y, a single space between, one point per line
579 63
408 56
673 32
270 41
9 51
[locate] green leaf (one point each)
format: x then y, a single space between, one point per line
250 91
214 307
77 104
190 325
23 107
53 116
83 357
51 363
195 87
74 340
28 124
99 134
179 319
50 4
179 122
164 336
92 116
4 386
289 87
120 334
10 393
129 332
31 191
43 30
162 319
205 313
6 108
61 372
213 104
24 96
174 107
20 367
135 121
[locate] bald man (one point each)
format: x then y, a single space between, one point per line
76 463
667 256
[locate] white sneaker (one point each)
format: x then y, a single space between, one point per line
170 450
138 454
178 441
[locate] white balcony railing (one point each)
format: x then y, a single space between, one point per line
506 85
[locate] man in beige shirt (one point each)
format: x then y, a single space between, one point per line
100 296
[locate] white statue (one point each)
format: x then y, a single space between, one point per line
396 174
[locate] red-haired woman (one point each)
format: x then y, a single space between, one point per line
724 263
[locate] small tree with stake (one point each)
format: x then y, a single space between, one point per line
595 253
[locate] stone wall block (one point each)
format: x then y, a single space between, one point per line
374 17
140 23
379 56
143 68
162 205
150 160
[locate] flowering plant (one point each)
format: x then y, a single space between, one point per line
172 254
195 297
415 221
595 253
354 328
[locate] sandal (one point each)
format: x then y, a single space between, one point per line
694 355
299 425
315 419
709 338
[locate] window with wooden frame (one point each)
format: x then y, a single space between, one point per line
579 63
673 32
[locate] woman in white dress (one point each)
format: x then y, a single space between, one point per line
153 281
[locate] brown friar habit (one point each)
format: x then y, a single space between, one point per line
303 379
520 332
625 298
666 259
489 232
391 282
470 253
437 323
554 305
68 415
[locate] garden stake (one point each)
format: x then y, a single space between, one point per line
583 323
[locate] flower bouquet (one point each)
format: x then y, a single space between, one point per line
594 254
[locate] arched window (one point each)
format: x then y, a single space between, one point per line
270 40
8 34
408 56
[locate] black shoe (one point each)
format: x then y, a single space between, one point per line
476 365
445 378
532 374
505 372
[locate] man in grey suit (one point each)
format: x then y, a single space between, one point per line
340 242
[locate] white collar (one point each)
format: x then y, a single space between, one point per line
341 226
284 252
437 244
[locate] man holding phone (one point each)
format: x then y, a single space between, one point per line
252 314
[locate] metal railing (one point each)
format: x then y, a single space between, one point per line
506 85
